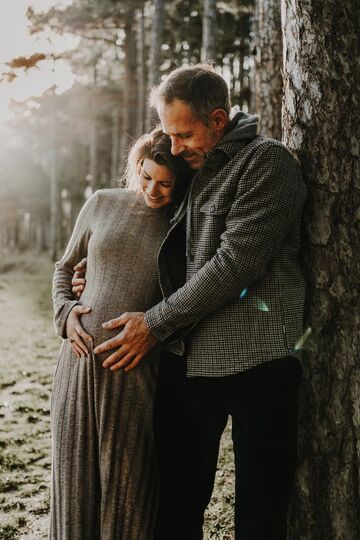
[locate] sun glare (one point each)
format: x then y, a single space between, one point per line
15 41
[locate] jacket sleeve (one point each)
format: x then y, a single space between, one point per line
63 298
269 197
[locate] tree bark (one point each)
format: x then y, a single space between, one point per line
130 89
93 136
115 146
268 73
209 29
321 126
55 202
157 32
141 70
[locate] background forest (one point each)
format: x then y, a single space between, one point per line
66 146
294 62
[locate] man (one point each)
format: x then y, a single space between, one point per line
236 314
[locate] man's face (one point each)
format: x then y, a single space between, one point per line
190 137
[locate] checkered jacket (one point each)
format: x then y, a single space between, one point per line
244 293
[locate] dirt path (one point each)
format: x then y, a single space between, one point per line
28 352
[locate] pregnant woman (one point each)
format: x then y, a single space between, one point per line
104 480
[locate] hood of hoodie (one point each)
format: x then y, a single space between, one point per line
242 126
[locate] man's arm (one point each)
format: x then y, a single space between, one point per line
256 225
269 197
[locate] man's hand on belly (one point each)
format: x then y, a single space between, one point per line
131 344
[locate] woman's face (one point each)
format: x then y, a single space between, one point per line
157 184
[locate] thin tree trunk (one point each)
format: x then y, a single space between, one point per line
268 73
115 147
141 70
321 126
55 203
209 30
157 31
93 139
130 90
93 162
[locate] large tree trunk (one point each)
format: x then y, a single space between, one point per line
268 75
157 31
209 29
321 126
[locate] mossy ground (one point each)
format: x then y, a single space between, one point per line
28 353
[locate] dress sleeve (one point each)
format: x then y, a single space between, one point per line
63 298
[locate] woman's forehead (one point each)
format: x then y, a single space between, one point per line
157 171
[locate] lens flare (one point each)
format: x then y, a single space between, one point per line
300 344
244 293
260 305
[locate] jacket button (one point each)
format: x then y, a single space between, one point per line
212 208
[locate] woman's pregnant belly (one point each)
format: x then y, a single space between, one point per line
105 309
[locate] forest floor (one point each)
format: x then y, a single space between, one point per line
28 354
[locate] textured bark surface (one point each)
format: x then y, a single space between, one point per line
321 126
141 72
129 120
268 74
208 46
157 31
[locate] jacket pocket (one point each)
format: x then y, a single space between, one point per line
215 208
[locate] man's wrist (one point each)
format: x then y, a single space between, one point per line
152 320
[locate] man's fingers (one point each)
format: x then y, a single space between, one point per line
81 266
115 356
117 361
80 310
77 291
108 345
134 363
115 323
76 281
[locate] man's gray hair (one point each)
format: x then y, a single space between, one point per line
199 86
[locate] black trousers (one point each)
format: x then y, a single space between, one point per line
190 416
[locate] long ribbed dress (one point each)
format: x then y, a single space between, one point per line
104 479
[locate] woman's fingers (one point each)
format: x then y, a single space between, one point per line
81 310
81 344
76 350
85 336
76 341
75 332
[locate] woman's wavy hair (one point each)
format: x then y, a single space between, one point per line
156 146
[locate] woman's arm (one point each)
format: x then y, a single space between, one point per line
63 299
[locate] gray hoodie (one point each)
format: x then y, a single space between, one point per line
242 126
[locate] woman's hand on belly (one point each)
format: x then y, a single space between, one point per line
76 333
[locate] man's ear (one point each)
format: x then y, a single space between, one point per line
218 119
